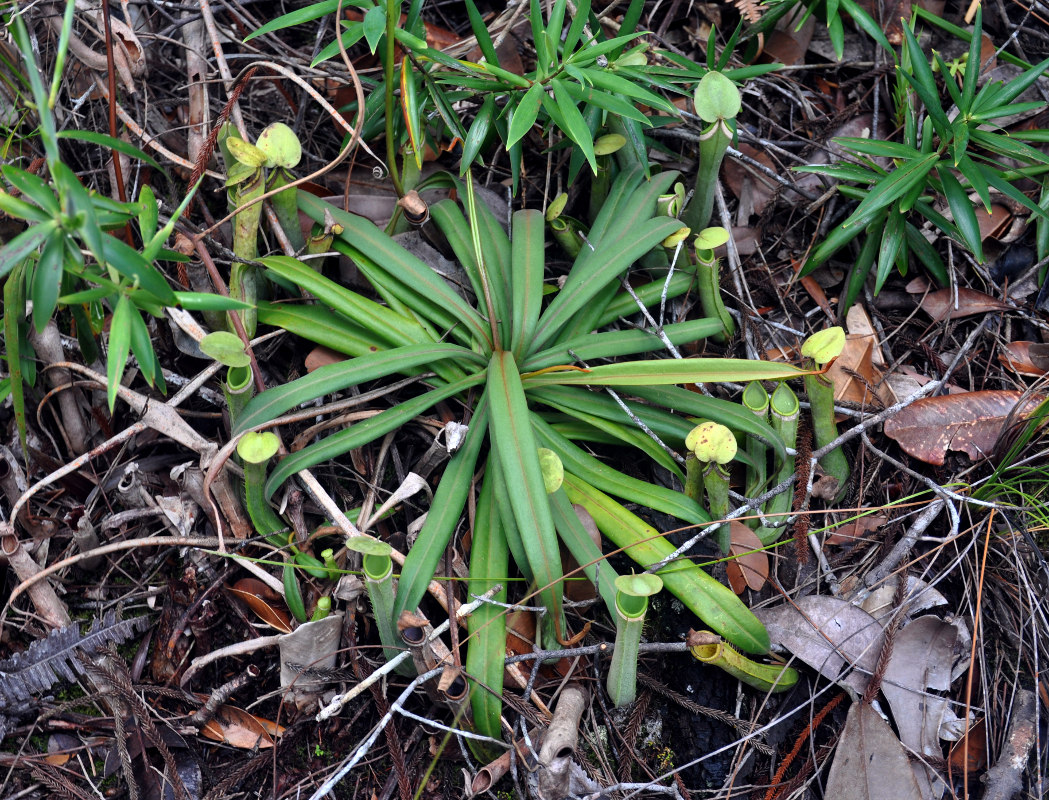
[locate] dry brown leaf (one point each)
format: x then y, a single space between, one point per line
751 188
970 752
321 357
1026 358
858 323
856 530
969 422
993 224
237 728
855 377
748 565
940 304
262 600
869 762
828 634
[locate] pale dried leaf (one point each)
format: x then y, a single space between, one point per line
307 652
869 762
830 635
919 597
922 657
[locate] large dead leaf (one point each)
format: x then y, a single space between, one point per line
840 640
970 423
870 763
941 305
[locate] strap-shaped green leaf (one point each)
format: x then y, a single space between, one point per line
489 565
526 289
363 432
525 113
414 275
583 549
516 449
611 344
668 371
962 210
336 377
385 325
445 512
612 481
711 601
612 259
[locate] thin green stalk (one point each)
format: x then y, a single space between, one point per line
631 605
708 280
713 143
238 390
756 400
378 580
393 16
784 407
244 278
820 349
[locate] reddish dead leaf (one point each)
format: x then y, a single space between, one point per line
261 599
993 224
322 357
855 377
748 565
237 728
940 304
970 752
969 422
753 189
917 285
809 284
1026 358
856 530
